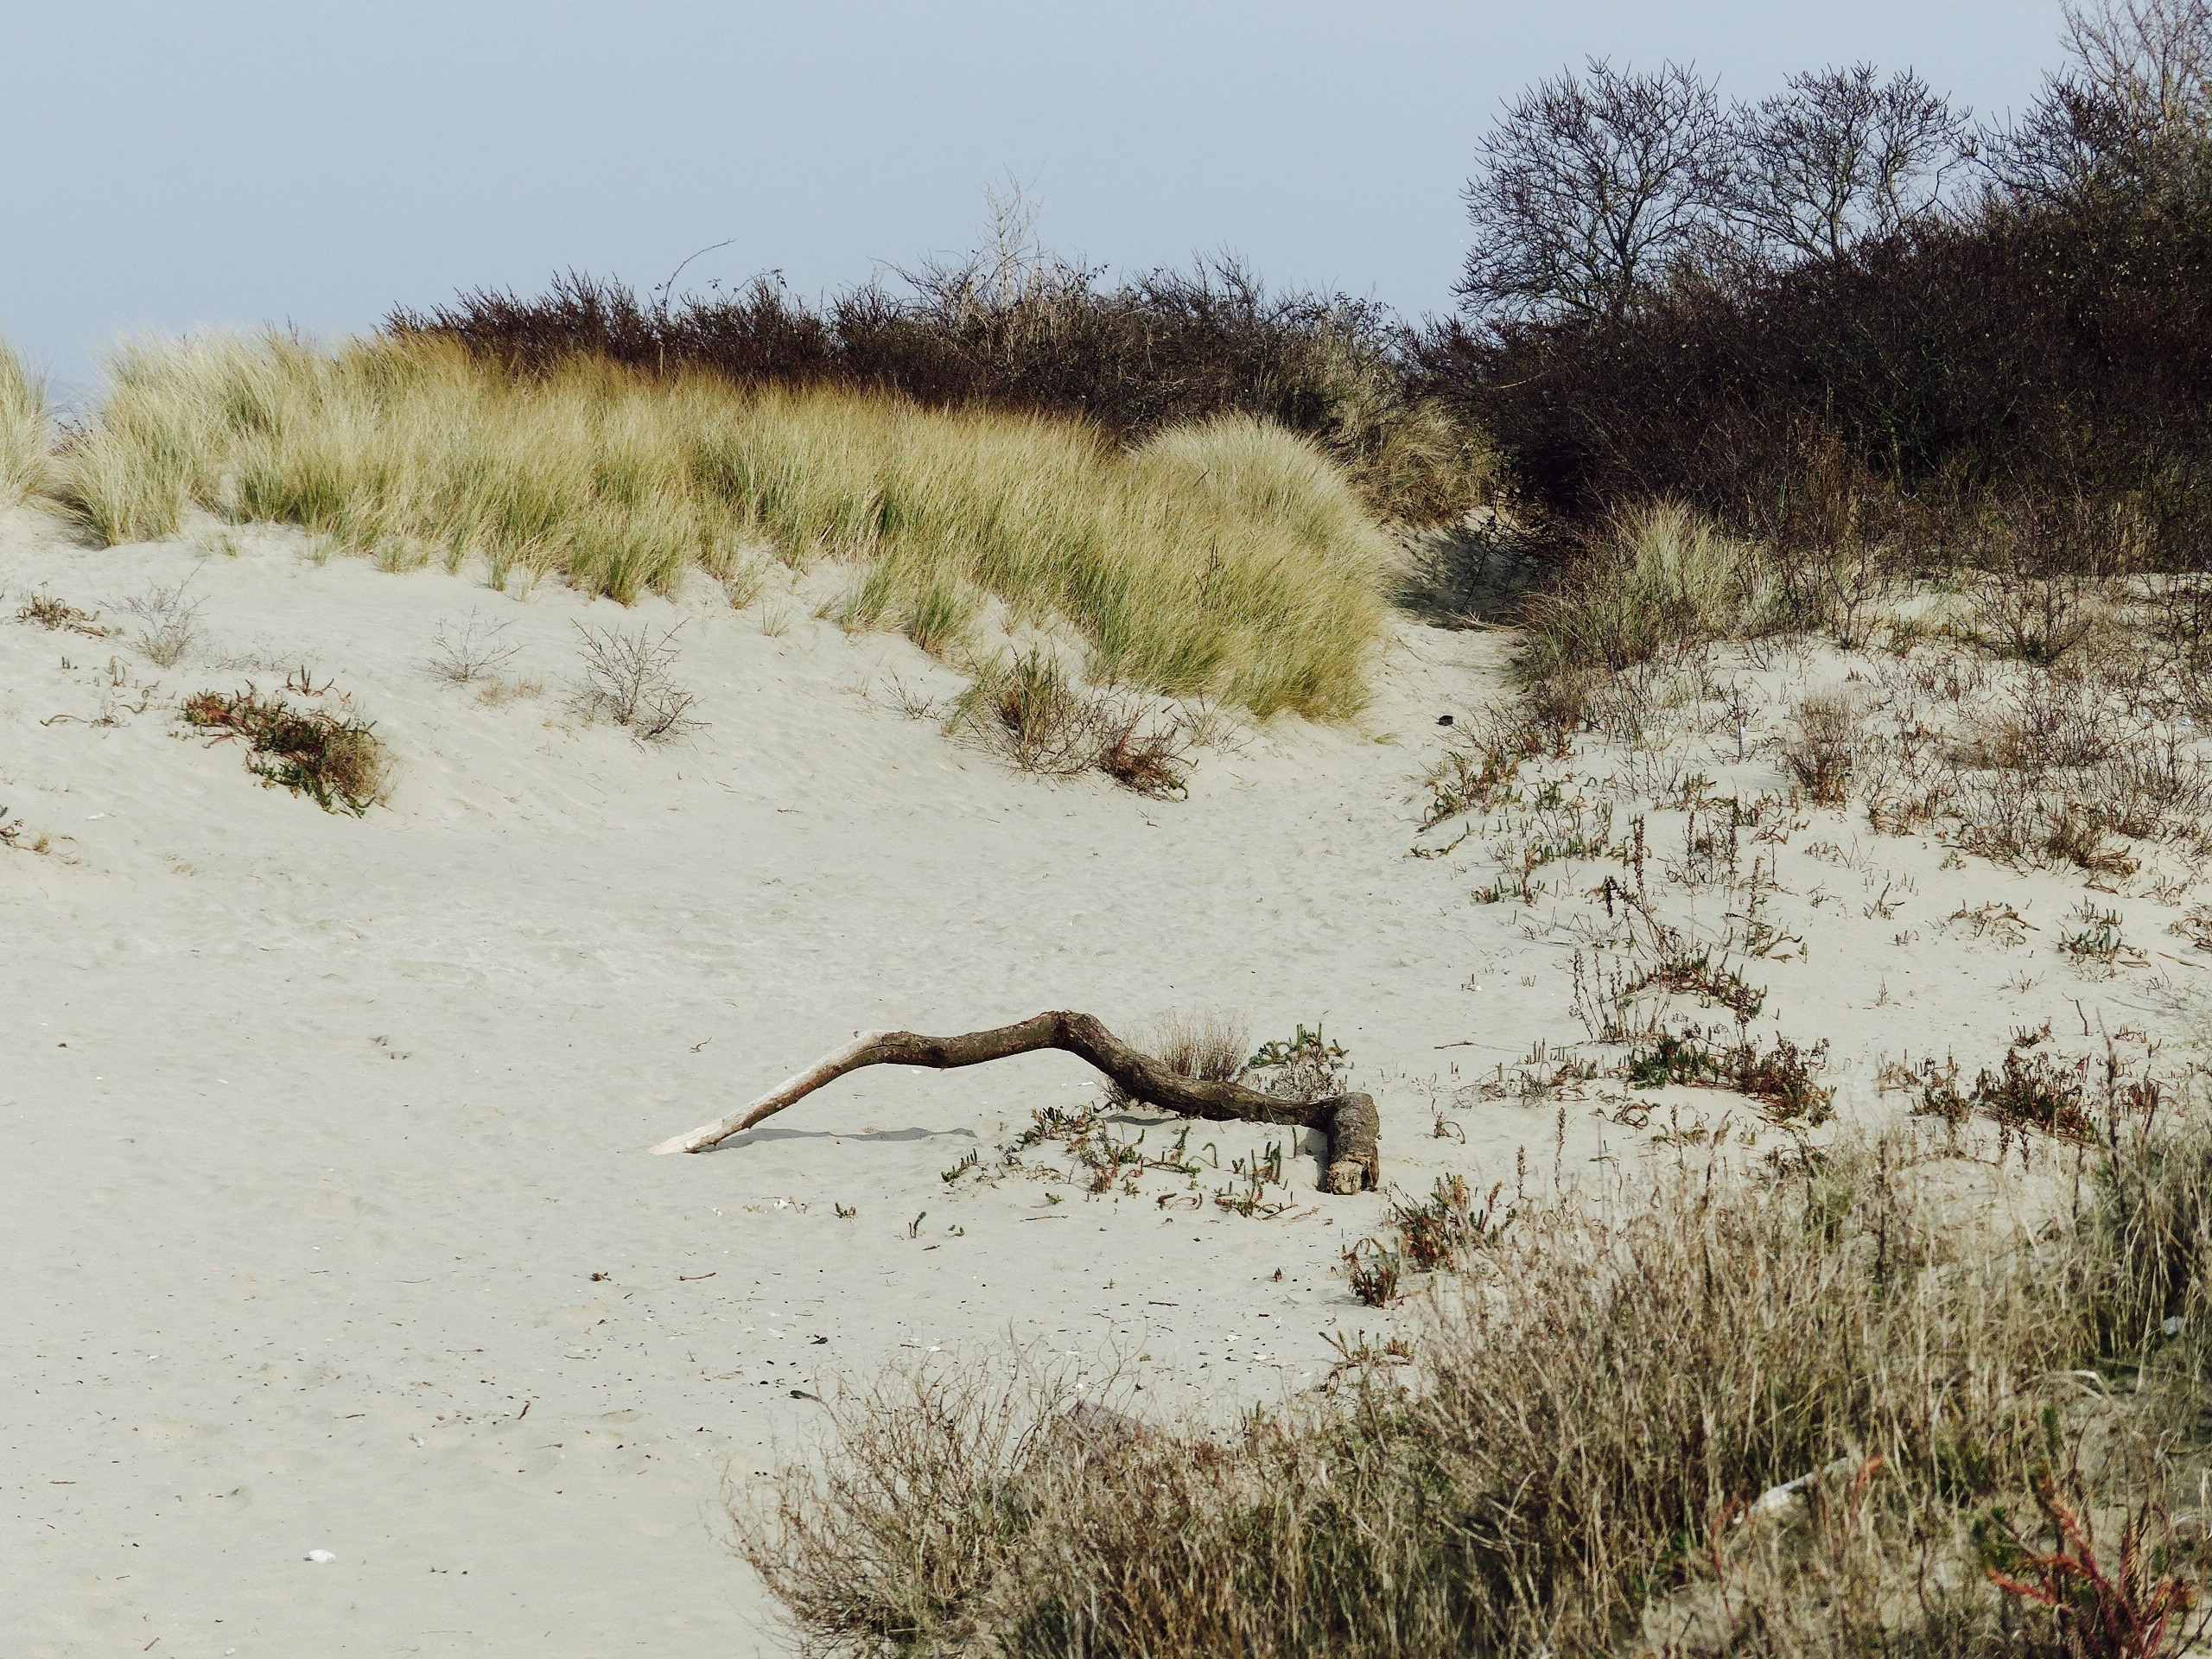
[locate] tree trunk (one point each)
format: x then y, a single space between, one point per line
1350 1121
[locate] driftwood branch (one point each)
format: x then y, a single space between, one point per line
1350 1121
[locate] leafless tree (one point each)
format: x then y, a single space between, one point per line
1590 188
2132 112
1840 156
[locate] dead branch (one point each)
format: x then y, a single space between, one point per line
1350 1121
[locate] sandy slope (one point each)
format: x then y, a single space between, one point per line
317 1131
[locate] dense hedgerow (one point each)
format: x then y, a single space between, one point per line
1166 349
2039 370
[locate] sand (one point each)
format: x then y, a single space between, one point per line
326 1220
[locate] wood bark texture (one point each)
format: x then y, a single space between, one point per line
1350 1121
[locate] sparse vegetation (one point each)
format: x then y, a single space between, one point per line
1795 1407
1818 751
470 651
46 611
1028 709
169 623
630 679
1779 1076
336 759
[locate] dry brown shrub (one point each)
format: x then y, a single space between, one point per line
1725 1411
1029 710
1820 752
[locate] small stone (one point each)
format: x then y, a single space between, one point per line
319 1556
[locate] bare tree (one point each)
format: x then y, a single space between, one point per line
2133 112
1590 188
1840 156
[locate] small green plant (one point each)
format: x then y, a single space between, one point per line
1444 1227
2028 1090
1780 1077
1699 976
1373 1272
2098 940
2125 1612
338 761
1259 1172
1309 1066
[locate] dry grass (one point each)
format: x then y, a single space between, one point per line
23 435
1818 751
1790 1409
1228 559
1658 577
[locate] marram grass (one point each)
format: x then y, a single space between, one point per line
1229 559
24 455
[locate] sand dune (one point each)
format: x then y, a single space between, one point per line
326 1220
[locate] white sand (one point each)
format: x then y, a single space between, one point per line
317 1130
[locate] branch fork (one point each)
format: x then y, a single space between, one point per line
1350 1121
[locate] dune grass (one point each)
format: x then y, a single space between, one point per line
1227 558
23 452
1790 1409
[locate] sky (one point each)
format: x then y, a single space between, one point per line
227 162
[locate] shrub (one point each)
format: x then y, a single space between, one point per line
1026 708
1023 332
1227 558
337 760
169 623
630 679
1819 751
1757 1411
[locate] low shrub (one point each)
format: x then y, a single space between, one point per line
1768 1410
1779 1076
1658 577
337 760
1027 708
1823 746
630 679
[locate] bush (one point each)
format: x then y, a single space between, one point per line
1820 750
1940 388
338 761
1026 709
1026 333
1227 558
1763 1413
1654 578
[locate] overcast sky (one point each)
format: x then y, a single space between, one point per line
236 162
